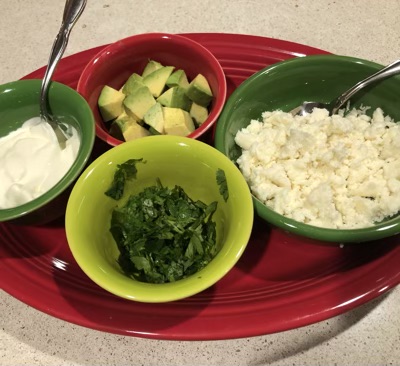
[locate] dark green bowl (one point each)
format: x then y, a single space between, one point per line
286 85
19 101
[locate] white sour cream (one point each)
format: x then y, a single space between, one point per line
32 162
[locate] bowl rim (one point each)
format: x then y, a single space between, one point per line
381 230
127 41
185 287
75 169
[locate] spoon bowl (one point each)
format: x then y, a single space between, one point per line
334 106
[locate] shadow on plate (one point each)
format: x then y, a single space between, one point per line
273 255
99 309
31 241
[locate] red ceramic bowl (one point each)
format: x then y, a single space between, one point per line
115 63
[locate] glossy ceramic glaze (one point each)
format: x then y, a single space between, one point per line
286 85
19 101
114 64
176 161
281 282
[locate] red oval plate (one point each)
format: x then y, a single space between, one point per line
281 282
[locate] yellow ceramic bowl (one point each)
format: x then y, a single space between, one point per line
181 161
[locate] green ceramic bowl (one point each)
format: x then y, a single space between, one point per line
181 161
286 85
19 101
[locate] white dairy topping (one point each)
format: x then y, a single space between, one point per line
32 162
335 172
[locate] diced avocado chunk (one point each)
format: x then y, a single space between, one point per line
154 131
131 87
175 97
150 67
137 103
118 125
110 103
135 131
199 91
135 81
157 79
198 113
126 128
178 78
154 118
177 122
161 99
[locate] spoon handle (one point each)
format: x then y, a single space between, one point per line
390 70
72 11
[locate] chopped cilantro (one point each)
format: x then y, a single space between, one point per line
223 184
163 235
124 171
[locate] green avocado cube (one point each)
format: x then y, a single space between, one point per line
137 103
150 67
199 91
110 103
135 81
135 131
175 97
198 113
154 118
177 122
178 78
126 128
156 81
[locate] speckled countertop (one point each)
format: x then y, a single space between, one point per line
367 335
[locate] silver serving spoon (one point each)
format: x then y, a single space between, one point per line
334 106
72 11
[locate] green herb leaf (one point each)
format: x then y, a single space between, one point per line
163 235
223 184
124 172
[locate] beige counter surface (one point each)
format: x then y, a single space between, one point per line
367 335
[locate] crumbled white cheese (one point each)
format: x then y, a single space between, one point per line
328 171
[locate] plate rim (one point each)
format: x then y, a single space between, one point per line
174 333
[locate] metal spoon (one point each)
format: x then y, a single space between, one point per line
334 106
72 11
